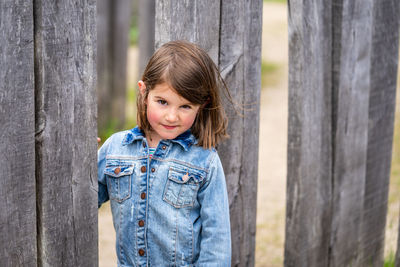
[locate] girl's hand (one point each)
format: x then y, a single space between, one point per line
98 139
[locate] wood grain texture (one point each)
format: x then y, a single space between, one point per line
383 76
240 64
65 76
147 12
191 20
17 143
351 84
309 169
359 111
113 40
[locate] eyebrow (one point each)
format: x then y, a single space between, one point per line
184 104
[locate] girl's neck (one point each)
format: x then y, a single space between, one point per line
152 139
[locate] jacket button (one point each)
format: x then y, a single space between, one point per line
144 144
164 147
141 252
117 170
153 170
143 195
143 169
141 223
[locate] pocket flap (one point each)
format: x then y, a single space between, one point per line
118 171
184 176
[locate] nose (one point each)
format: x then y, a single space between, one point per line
172 115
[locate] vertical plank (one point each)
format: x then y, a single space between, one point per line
17 143
113 36
383 75
309 171
194 21
65 35
147 11
240 64
351 83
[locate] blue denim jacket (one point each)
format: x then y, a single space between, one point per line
171 210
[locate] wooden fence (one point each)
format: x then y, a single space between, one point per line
48 178
342 82
342 79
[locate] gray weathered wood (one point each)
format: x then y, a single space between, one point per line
351 177
17 143
383 74
240 64
194 21
147 10
65 52
351 86
231 34
113 41
309 173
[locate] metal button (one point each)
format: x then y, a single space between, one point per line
144 144
153 170
143 195
141 223
143 169
117 170
141 252
164 147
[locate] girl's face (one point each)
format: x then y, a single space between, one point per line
168 113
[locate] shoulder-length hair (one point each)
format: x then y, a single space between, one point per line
193 75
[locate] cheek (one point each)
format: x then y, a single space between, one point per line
189 120
153 116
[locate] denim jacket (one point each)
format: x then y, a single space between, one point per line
171 210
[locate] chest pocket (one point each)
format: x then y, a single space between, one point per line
119 179
181 187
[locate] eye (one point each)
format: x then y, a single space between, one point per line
186 107
162 102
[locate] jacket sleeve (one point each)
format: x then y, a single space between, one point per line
215 244
101 164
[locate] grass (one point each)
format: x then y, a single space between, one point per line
270 74
130 119
389 260
133 35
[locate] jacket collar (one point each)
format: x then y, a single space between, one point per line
186 139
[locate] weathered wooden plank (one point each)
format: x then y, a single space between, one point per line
17 143
240 63
65 36
383 74
309 173
194 21
113 41
351 83
147 11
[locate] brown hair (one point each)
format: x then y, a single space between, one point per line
193 75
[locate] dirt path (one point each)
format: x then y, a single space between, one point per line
273 138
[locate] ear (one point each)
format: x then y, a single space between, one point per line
142 87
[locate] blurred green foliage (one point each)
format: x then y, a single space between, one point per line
389 261
133 35
130 117
269 74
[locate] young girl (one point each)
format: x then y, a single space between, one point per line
164 177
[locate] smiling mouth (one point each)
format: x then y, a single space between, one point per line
169 127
